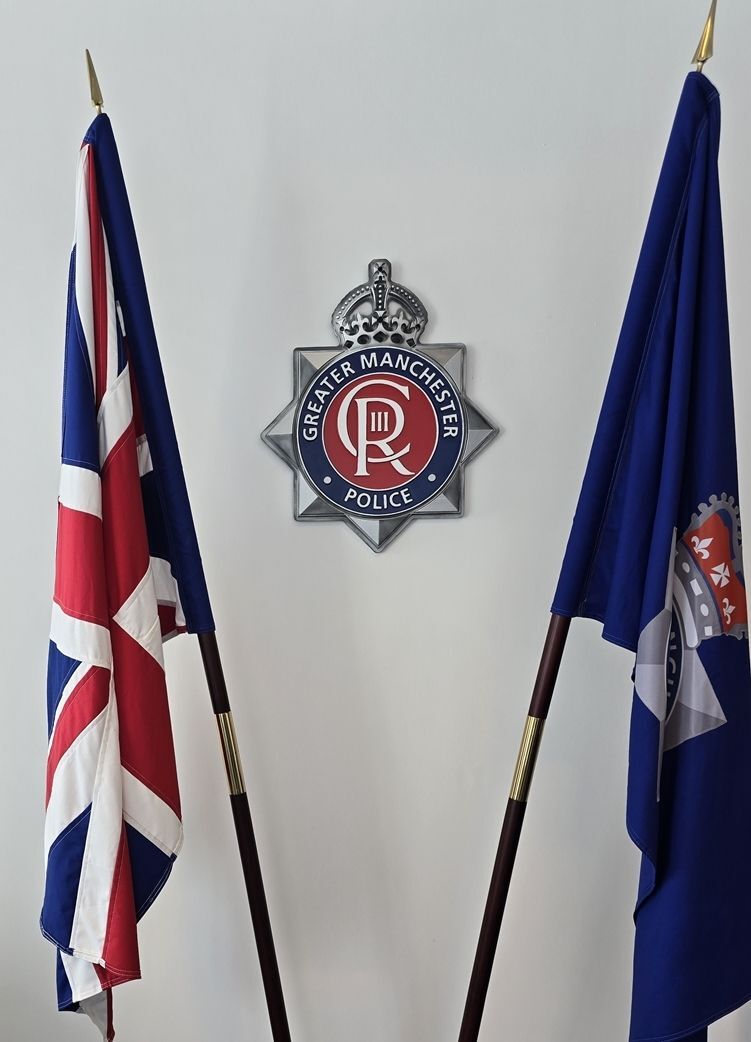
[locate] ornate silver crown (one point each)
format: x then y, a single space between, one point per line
379 311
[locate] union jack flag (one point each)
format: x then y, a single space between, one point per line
128 576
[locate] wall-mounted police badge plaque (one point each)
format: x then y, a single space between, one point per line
379 429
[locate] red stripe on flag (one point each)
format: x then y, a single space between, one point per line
79 566
126 545
167 618
146 747
88 699
168 621
120 949
98 282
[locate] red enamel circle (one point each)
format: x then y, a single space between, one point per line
380 431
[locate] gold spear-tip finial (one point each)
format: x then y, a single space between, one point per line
705 50
96 91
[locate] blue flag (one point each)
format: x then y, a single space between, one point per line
655 556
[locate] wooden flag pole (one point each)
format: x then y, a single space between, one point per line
246 840
542 695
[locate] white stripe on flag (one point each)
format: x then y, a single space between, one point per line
81 489
89 929
84 296
73 781
145 464
115 413
81 976
147 812
139 617
167 591
112 355
83 641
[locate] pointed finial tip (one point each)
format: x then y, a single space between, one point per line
96 91
705 50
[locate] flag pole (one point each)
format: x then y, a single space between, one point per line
246 840
542 696
238 795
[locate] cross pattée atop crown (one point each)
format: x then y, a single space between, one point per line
379 311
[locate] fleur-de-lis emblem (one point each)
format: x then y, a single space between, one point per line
727 609
701 546
721 575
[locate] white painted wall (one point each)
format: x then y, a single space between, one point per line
504 156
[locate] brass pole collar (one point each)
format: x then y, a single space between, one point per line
231 752
525 763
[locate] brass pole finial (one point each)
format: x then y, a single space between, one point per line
705 50
96 91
